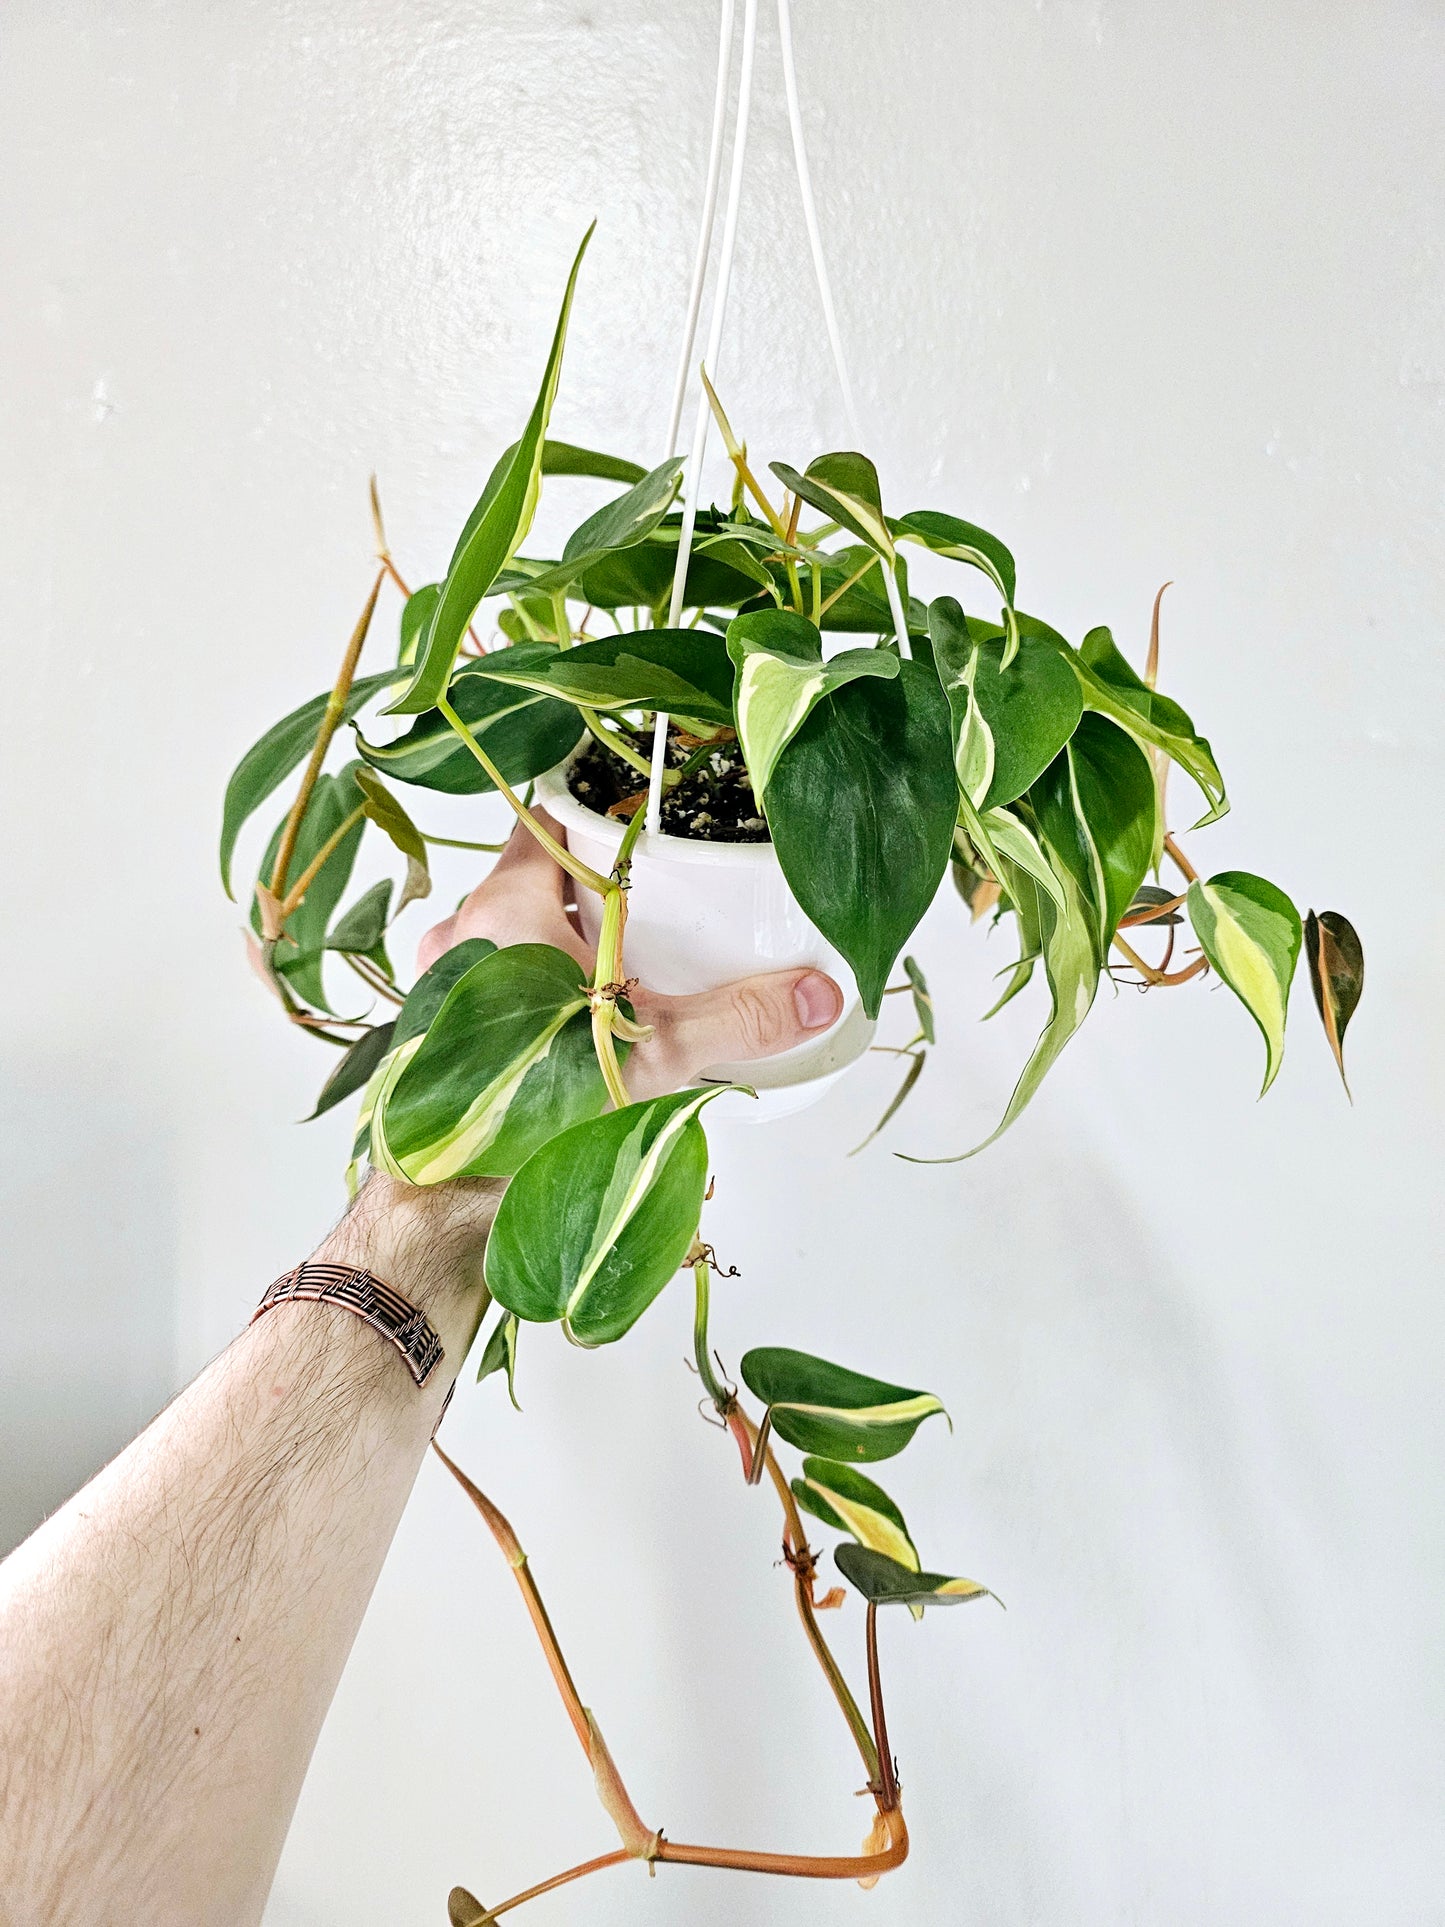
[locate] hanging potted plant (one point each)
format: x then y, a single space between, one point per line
764 751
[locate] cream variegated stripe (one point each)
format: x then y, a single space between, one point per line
961 1589
1098 888
422 758
1248 971
1013 839
870 1528
633 1174
483 1118
964 552
373 1104
973 756
898 1413
774 695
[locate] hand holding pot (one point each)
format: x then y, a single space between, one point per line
521 901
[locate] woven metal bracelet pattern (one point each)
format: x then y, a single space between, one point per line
385 1310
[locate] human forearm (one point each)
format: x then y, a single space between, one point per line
172 1637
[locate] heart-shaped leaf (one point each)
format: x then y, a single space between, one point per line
685 671
844 487
504 1065
781 676
492 537
845 1499
522 731
363 928
1008 723
861 805
1337 976
1251 934
965 542
884 1582
828 1410
1095 805
271 760
598 1220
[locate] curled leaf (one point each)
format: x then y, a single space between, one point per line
884 1582
831 1411
1337 976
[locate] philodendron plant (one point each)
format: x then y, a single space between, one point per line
877 743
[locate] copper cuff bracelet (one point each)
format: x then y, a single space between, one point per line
385 1310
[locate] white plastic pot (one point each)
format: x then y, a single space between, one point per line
702 914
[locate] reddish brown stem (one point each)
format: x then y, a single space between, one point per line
1185 867
613 1859
887 1782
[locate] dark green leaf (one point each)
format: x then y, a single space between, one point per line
861 807
781 677
884 1582
431 990
355 1069
524 733
1111 688
1251 934
1008 724
494 535
641 577
504 1065
1152 896
598 1220
1095 806
1337 975
963 542
271 760
363 926
685 671
829 1410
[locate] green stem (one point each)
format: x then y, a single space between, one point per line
608 972
712 1385
558 852
456 843
559 619
852 582
611 740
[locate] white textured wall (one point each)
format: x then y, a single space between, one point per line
1152 290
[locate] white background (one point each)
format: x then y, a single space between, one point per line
1153 290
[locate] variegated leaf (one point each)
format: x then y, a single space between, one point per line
619 524
504 1065
500 1354
844 487
388 815
1095 806
848 1501
684 671
600 1218
963 542
884 1582
521 730
831 1411
781 676
1251 934
493 537
1010 720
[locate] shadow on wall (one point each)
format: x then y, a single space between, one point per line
87 1292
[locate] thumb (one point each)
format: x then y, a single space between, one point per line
757 1017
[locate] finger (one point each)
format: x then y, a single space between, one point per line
737 1022
518 901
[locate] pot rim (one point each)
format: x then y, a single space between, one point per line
554 791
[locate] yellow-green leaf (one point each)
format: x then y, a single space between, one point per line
1251 934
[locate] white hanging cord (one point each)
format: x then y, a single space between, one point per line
693 470
704 235
810 217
